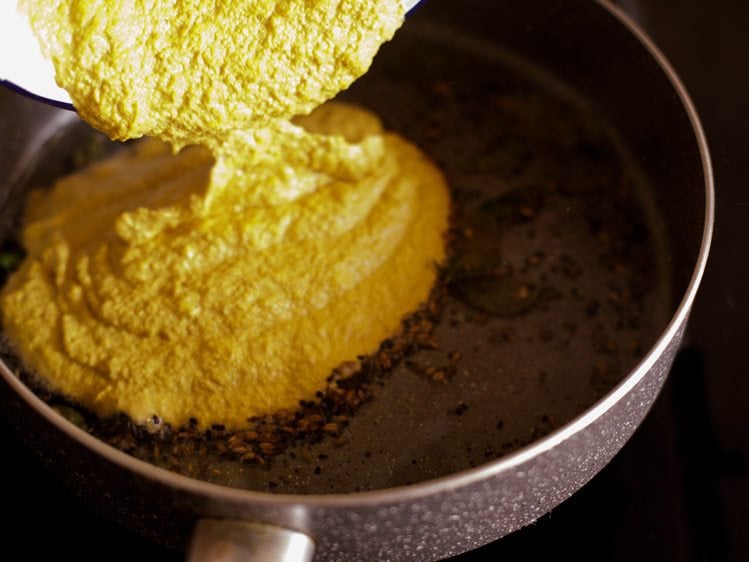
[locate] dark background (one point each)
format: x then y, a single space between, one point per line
679 490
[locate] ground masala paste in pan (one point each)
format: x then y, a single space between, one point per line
226 267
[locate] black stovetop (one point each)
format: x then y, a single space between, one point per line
679 490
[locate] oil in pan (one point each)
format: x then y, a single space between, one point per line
555 287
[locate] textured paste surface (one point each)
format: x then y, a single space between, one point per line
190 70
230 279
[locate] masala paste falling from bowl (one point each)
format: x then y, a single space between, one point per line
228 280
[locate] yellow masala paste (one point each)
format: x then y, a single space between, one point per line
229 279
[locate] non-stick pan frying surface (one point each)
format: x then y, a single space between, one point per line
557 286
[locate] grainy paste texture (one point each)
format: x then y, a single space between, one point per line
229 279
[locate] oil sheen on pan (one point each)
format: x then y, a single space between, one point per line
553 290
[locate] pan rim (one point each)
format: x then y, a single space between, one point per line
462 478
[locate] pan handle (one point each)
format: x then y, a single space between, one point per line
229 540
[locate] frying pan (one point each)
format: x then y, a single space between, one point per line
597 229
